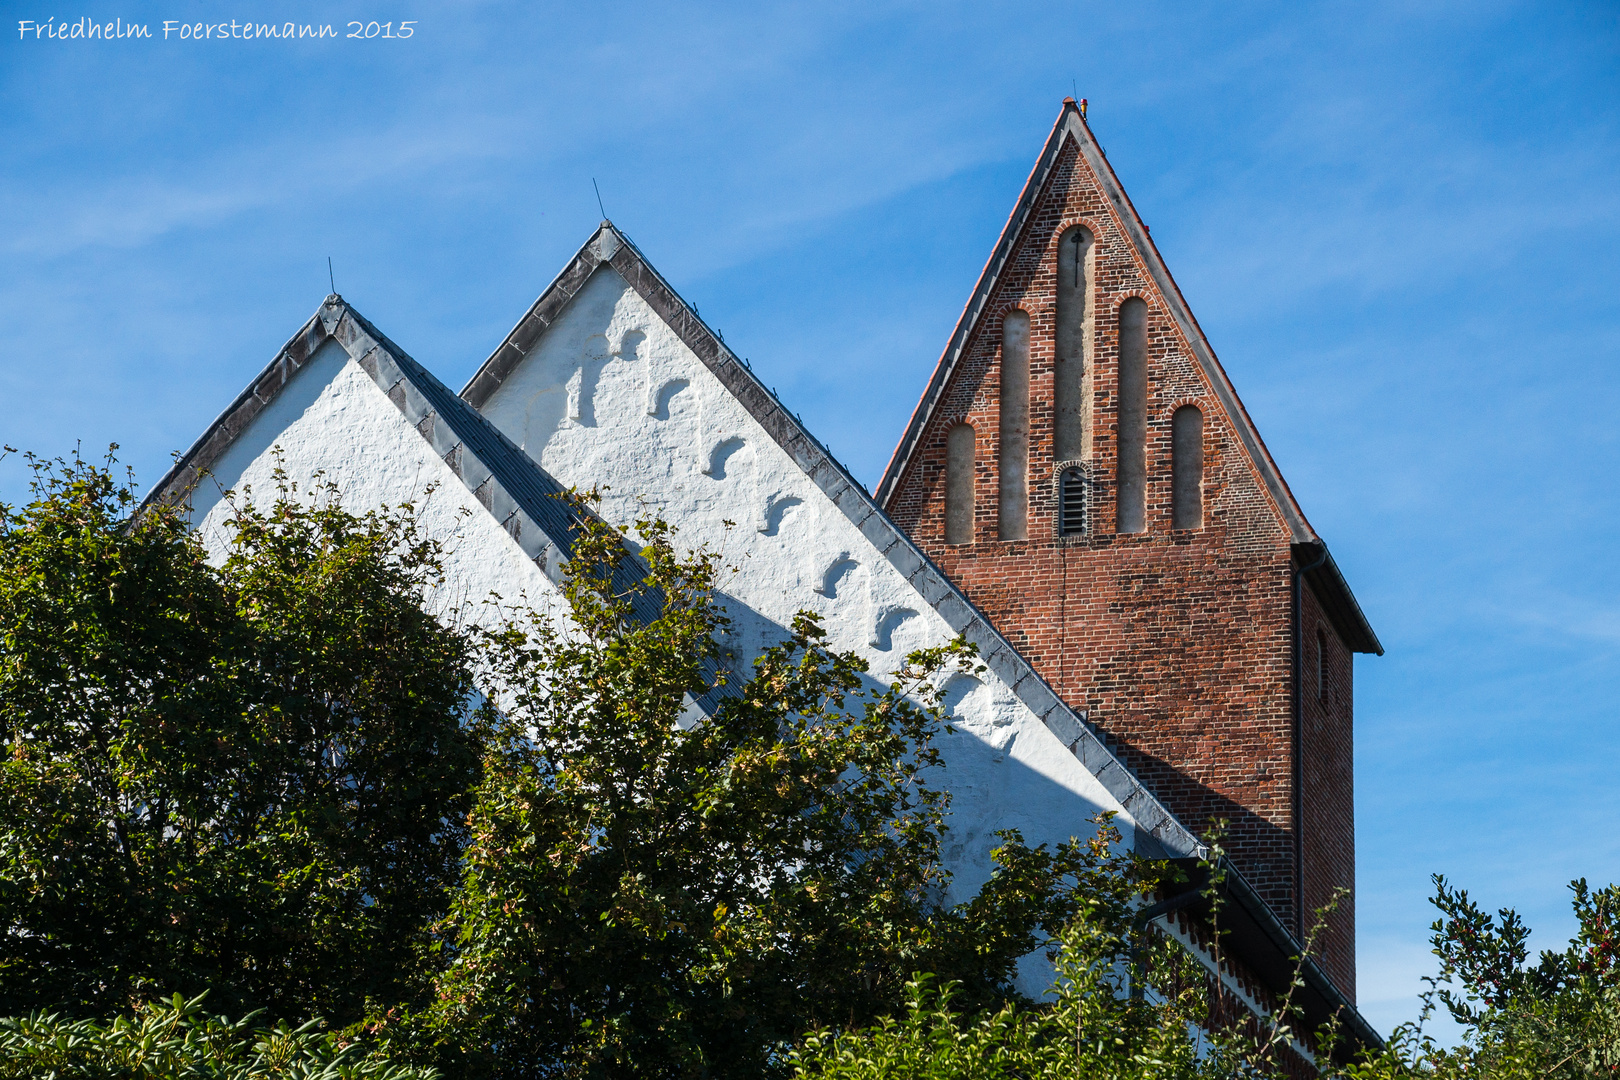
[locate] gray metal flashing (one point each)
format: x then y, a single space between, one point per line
845 492
1070 124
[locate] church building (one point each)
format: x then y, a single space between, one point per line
1080 494
1082 467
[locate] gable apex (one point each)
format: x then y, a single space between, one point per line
1158 830
512 488
1070 126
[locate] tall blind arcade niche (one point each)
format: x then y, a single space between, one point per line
1131 508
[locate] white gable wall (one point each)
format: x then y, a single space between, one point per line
332 418
610 395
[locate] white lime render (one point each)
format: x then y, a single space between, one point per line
342 405
616 395
603 384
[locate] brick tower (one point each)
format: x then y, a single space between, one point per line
1082 467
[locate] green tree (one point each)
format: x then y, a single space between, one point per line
1558 1017
655 895
249 777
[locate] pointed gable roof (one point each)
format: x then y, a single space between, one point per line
608 246
1309 548
510 485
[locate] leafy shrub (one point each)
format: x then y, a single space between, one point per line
1557 1018
177 1040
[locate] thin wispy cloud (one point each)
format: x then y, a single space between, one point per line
133 210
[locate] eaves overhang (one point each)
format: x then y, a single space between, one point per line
1251 932
1322 574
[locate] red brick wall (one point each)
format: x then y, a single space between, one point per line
1178 644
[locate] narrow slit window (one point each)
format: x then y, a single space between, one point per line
1131 496
1187 468
959 454
1012 453
1321 667
1072 503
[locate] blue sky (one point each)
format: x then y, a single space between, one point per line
1397 223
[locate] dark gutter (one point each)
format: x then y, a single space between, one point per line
1338 602
1298 725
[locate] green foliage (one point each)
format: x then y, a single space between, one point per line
647 893
260 775
1090 1028
1127 1003
170 1040
249 777
935 1040
1557 1018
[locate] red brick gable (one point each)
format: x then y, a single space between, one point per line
1180 644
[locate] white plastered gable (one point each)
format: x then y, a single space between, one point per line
610 380
320 414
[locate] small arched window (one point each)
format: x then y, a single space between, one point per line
959 454
1187 468
1072 503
